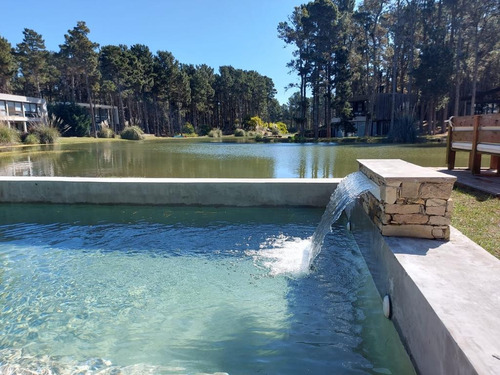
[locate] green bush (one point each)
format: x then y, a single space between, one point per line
274 130
8 135
188 129
239 133
259 137
215 133
204 129
254 123
76 120
281 127
31 139
404 130
133 133
105 133
46 134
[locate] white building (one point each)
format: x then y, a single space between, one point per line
18 111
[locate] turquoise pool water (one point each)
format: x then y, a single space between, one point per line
185 291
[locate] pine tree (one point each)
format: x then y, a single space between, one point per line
32 57
7 65
82 60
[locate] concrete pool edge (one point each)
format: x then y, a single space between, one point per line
292 192
443 294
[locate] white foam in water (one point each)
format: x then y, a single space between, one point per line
294 256
284 255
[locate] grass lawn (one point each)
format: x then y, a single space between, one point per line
477 215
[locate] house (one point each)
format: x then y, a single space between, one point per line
379 121
102 113
19 111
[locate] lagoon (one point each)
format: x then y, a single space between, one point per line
202 158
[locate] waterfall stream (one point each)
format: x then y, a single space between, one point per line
294 256
349 188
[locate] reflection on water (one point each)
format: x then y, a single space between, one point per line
204 159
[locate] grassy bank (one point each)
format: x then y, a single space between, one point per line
477 215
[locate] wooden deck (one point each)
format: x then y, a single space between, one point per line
487 182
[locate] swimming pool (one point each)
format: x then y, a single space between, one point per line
186 290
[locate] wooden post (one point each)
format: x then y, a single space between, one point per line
475 156
495 163
450 154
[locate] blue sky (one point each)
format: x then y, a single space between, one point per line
241 33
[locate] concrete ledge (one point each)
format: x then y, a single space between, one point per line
165 191
445 300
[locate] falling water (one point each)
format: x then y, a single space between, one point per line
349 188
294 256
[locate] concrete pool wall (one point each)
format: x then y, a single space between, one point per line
444 294
303 192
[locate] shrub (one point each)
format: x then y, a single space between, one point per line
259 137
76 120
281 127
8 135
188 129
133 133
105 131
254 123
239 133
46 134
404 130
45 129
204 129
31 139
274 129
215 133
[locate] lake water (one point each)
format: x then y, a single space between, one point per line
209 159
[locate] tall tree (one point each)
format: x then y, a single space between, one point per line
116 69
292 32
370 16
32 57
82 60
142 81
7 65
201 79
484 26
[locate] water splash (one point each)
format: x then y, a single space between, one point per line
294 256
349 188
283 255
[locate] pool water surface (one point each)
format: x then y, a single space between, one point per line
185 290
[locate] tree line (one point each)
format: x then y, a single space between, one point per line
410 64
152 90
429 59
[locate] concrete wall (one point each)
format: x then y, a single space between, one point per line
150 191
444 297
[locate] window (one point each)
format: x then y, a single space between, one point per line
3 110
11 108
15 108
19 108
30 110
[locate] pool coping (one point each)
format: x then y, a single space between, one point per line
444 297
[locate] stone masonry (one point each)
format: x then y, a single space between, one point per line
414 201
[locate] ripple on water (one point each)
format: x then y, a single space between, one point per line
144 298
